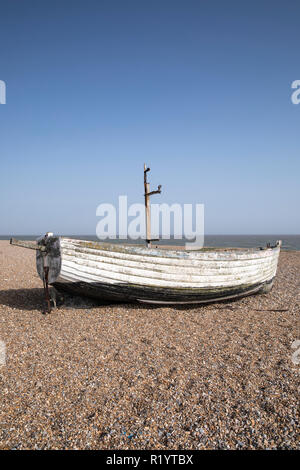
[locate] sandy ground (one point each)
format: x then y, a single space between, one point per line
133 377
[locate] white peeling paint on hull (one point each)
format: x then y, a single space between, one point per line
134 273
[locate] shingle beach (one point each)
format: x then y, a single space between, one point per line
220 376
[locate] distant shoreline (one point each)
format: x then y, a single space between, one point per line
289 242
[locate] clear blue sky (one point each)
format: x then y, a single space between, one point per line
199 90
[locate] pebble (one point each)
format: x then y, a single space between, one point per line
92 376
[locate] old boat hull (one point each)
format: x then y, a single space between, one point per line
124 273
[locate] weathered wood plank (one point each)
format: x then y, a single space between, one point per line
27 244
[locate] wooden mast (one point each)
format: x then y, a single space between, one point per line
147 206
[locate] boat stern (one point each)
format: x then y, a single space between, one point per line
49 260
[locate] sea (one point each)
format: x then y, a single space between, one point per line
289 242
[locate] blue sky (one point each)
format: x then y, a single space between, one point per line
200 91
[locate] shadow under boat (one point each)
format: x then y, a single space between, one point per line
65 298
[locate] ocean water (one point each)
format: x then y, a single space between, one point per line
289 242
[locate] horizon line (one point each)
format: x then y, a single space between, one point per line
141 238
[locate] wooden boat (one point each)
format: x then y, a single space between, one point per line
126 273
